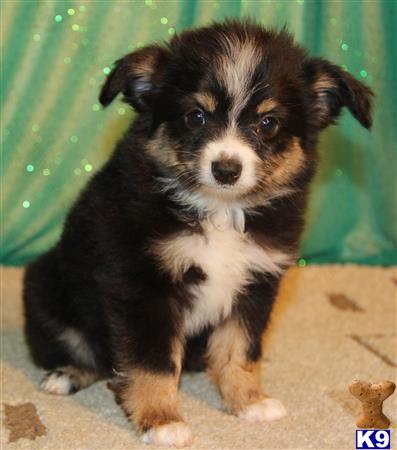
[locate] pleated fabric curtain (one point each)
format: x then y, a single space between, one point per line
54 134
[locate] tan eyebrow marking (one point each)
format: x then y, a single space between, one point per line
266 105
206 100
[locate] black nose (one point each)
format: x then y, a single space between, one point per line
226 171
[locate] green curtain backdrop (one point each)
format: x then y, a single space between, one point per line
56 54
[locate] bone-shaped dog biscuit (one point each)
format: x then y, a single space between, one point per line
372 396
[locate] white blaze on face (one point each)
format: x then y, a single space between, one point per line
235 69
235 73
229 146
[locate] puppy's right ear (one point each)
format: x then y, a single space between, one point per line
138 76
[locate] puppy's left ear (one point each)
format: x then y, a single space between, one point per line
333 88
138 76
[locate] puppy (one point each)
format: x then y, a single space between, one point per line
172 255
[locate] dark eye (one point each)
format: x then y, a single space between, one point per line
269 126
195 119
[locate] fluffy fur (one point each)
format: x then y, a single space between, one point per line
172 254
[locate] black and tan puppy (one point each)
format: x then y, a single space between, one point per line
172 255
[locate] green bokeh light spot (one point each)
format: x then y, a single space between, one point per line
26 204
74 139
82 8
58 18
345 47
171 31
36 37
121 111
75 27
301 262
71 12
88 167
164 20
95 107
363 73
30 168
46 172
106 70
77 171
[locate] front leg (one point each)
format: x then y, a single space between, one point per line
148 351
234 352
150 398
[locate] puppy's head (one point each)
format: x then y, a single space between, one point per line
232 110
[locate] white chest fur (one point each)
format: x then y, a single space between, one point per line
228 258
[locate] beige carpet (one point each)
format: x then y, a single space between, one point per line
332 324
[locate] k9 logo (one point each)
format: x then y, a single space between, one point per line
372 439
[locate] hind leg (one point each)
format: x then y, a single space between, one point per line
54 343
67 356
67 380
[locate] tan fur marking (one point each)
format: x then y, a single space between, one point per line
321 87
238 380
68 379
144 68
206 101
266 106
85 377
151 399
323 84
285 166
160 149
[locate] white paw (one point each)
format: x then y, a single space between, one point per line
57 383
266 410
175 434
